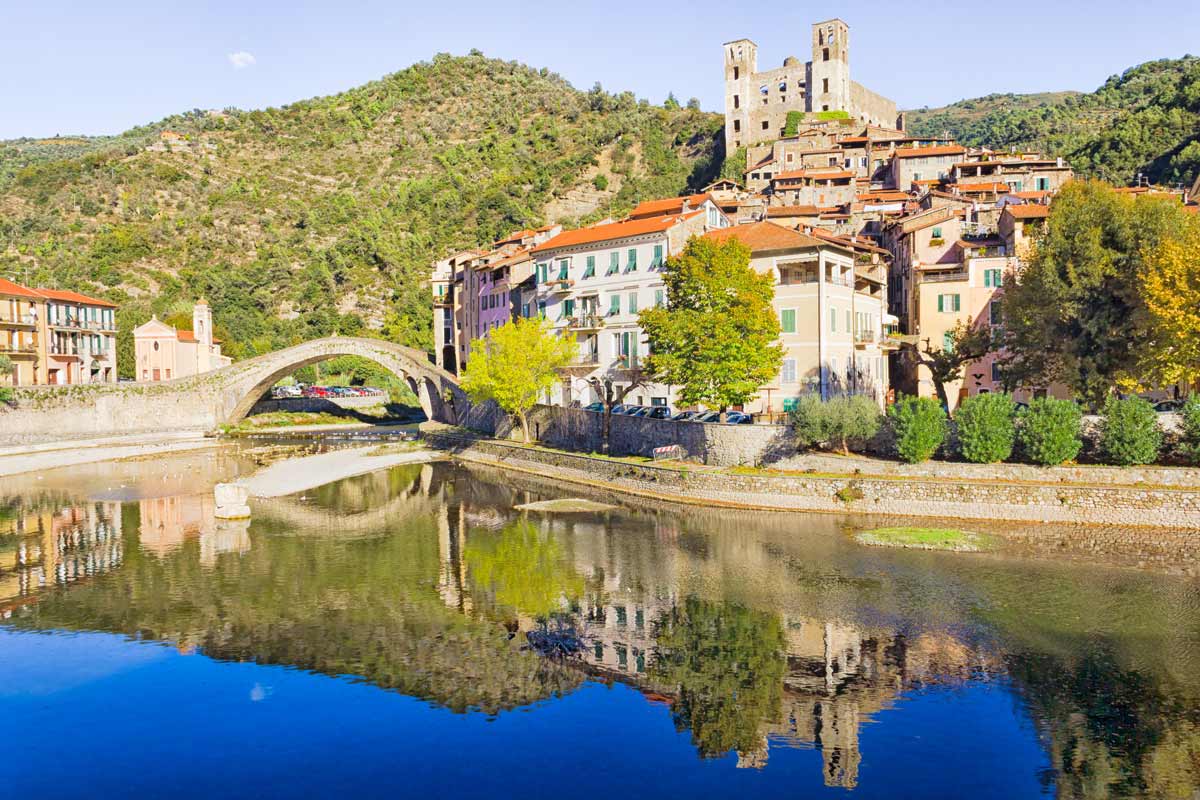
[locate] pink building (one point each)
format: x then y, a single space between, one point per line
164 353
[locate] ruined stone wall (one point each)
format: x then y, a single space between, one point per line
872 107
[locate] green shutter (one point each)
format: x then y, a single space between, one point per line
614 304
948 341
633 302
631 265
591 267
787 320
658 297
941 302
658 257
957 300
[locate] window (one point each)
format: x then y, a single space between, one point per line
787 320
543 271
948 302
737 126
948 341
937 233
562 269
1043 184
788 373
614 304
631 261
568 308
633 302
825 57
736 72
614 263
783 86
992 277
766 126
590 269
848 321
737 101
659 298
995 371
764 89
825 86
995 315
833 320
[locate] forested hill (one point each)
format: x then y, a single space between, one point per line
1145 120
325 215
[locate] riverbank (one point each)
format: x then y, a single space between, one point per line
308 472
1062 499
38 457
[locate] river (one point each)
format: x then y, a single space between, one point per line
410 633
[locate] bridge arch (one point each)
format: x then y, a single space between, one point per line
245 382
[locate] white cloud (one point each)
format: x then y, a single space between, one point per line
241 59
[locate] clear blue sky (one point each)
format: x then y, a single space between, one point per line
68 66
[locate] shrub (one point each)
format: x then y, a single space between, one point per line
1049 431
1129 433
919 424
834 423
1191 429
986 428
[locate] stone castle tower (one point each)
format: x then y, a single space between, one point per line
757 103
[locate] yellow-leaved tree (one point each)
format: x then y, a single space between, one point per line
1170 284
515 364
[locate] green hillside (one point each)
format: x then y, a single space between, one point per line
1145 120
324 215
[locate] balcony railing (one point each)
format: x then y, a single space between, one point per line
18 348
942 277
585 322
75 323
559 286
19 319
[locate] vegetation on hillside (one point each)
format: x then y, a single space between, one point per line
324 216
1146 120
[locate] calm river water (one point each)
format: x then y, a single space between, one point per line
409 633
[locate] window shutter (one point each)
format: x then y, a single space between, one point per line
941 302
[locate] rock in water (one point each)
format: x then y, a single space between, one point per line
231 501
566 505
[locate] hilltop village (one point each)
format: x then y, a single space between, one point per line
873 235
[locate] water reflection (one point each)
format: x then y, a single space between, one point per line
759 633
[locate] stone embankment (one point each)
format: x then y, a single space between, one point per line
1076 500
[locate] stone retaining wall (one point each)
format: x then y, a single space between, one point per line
963 499
315 405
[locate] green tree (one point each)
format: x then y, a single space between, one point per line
1075 313
1129 432
671 103
919 425
525 569
6 371
1049 431
515 364
986 428
945 360
728 663
715 338
1191 429
835 422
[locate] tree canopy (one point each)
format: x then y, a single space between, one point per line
716 337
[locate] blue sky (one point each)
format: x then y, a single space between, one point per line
86 67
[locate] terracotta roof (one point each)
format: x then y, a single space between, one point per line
671 205
522 254
74 297
189 337
852 243
886 196
1041 195
926 152
826 174
614 230
855 139
1028 211
10 288
762 236
991 241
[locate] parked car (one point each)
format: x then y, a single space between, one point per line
658 412
594 407
708 416
1167 406
638 411
621 408
686 416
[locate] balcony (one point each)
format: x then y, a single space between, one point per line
944 277
18 348
585 322
559 286
23 320
442 301
864 339
582 365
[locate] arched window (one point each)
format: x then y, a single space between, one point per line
764 89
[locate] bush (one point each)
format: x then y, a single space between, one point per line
1129 433
1191 429
834 423
986 428
919 424
1049 431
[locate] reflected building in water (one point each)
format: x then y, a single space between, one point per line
48 544
168 522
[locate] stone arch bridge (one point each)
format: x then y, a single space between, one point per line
212 399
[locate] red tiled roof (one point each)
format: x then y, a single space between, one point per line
761 236
10 288
975 188
74 297
189 337
614 230
886 196
671 205
1028 211
794 211
926 152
